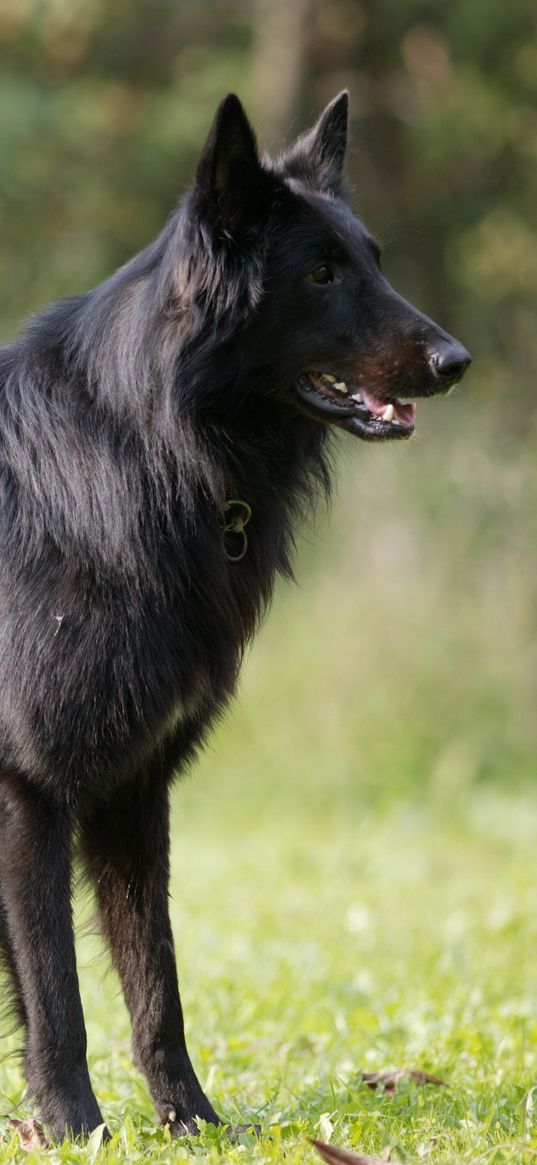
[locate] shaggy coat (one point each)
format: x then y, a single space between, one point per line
130 417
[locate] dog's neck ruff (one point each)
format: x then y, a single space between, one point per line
234 516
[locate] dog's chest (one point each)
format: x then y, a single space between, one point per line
111 675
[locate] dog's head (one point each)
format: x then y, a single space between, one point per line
327 335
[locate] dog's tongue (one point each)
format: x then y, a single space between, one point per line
404 412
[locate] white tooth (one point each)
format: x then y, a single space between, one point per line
328 376
388 413
340 386
357 396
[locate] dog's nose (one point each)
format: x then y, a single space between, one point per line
450 360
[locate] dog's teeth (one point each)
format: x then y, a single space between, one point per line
328 376
388 413
340 386
357 396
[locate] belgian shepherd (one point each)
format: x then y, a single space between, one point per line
160 437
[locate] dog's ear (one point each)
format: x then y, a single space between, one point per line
318 156
229 172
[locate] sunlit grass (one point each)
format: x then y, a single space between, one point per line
317 945
354 871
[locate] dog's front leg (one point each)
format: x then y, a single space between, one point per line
35 873
125 846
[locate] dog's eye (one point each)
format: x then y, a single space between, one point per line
321 275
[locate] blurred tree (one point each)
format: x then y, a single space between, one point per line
279 66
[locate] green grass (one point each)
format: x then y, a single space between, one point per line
317 942
354 871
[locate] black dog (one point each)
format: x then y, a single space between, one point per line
159 437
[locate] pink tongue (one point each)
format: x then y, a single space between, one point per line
404 412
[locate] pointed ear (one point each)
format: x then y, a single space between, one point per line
229 172
319 155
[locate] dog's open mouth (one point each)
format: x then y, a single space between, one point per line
358 410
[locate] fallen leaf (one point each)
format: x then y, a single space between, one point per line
335 1156
326 1127
390 1079
31 1135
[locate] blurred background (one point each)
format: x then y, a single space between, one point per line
406 662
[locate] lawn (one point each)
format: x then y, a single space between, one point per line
354 869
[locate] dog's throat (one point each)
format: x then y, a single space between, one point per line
234 515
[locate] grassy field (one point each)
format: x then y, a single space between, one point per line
355 878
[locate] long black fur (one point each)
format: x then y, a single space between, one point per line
128 416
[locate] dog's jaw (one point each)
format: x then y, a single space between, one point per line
358 411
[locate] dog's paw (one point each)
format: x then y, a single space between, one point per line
233 1132
185 1126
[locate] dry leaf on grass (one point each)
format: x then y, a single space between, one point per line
390 1079
335 1156
31 1135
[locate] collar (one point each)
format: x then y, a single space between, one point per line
234 516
